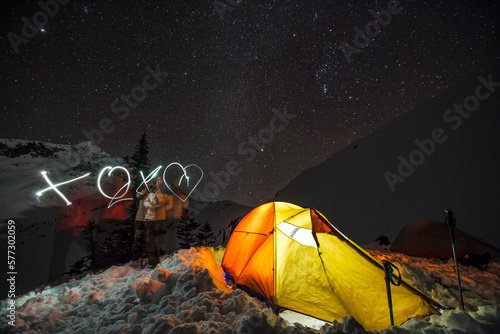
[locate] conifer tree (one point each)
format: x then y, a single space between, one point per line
89 237
81 266
205 237
108 256
186 230
139 161
124 241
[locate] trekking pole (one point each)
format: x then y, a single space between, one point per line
388 281
451 223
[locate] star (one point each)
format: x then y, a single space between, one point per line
226 77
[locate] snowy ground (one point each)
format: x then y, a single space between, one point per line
478 287
187 295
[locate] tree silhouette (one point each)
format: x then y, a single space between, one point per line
186 230
205 236
79 267
138 162
124 239
108 247
89 237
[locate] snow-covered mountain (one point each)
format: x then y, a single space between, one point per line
21 162
48 231
444 154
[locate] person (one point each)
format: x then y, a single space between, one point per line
174 215
164 205
138 252
150 205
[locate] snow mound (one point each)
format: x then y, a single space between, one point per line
186 294
437 279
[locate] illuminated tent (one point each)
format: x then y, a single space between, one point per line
296 259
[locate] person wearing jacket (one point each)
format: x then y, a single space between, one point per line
150 205
138 251
164 205
174 215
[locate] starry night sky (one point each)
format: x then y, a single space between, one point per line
226 76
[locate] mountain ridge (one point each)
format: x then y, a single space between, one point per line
361 172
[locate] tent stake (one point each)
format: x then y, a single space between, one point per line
451 223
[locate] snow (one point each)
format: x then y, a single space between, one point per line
186 294
478 286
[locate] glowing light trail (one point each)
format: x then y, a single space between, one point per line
54 186
183 175
125 188
148 178
115 196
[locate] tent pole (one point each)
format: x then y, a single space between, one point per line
388 273
451 223
452 234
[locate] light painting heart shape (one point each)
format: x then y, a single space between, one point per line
184 178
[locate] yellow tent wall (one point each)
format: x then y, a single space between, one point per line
328 280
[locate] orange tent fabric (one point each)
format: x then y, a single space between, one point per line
296 259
